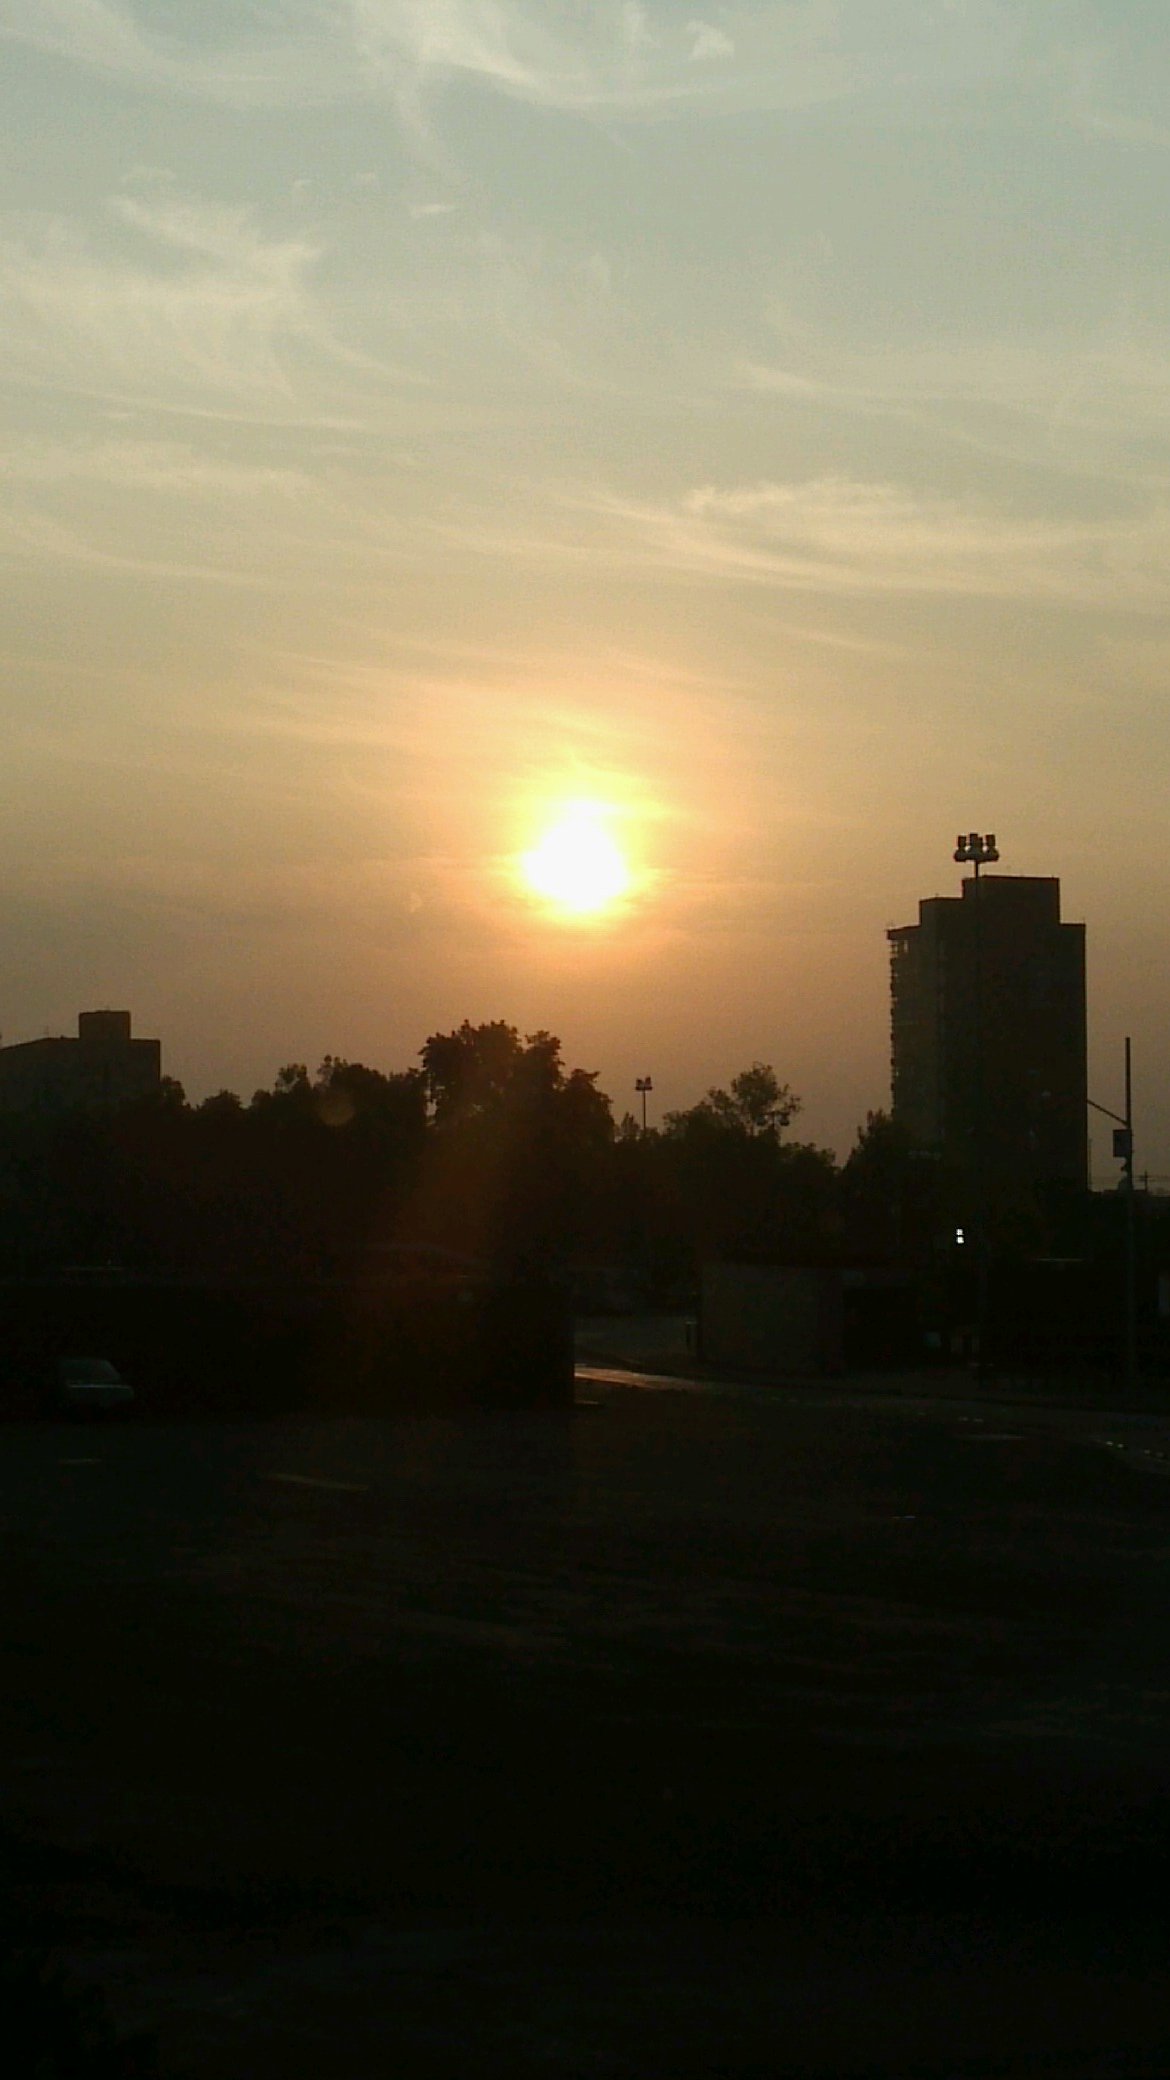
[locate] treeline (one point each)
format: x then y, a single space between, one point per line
491 1146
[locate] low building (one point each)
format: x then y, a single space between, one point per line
104 1065
793 1321
778 1318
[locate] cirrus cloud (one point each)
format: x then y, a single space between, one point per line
191 297
838 535
709 42
627 60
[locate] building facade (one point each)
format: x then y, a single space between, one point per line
988 1031
104 1065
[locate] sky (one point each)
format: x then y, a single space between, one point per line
419 414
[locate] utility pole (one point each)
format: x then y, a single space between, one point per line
643 1084
1130 1230
1123 1148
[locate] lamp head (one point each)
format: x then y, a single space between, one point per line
973 848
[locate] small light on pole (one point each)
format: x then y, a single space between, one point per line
643 1084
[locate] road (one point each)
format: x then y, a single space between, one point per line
698 1730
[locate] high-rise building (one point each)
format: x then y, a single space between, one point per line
103 1066
988 1033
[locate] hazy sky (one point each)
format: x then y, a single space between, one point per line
415 413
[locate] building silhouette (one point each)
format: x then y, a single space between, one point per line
988 1034
102 1066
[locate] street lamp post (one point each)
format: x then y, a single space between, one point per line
643 1084
978 849
1123 1147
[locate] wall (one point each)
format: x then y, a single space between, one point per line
772 1318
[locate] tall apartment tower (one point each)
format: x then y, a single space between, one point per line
988 1033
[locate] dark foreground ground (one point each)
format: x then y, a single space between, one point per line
694 1732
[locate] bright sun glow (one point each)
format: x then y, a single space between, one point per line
577 865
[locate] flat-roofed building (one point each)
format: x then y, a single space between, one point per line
104 1065
988 1029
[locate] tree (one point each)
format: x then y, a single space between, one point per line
223 1104
386 1107
734 1185
894 1197
519 1147
762 1102
291 1081
757 1104
470 1070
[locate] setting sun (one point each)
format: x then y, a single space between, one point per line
577 865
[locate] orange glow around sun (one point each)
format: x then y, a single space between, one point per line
577 865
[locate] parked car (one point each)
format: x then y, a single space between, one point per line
88 1386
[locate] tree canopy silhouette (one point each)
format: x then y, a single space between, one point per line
491 1146
519 1145
757 1104
736 1186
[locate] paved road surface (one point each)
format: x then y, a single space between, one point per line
698 1731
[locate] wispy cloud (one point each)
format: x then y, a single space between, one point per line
507 46
170 467
1123 128
190 295
1104 100
1093 404
318 50
288 59
635 27
90 32
709 42
32 537
640 60
838 536
633 58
